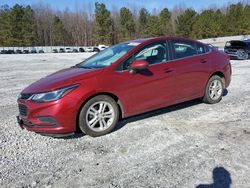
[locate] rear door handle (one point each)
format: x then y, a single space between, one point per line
203 60
168 70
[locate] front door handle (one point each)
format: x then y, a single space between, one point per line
203 60
168 70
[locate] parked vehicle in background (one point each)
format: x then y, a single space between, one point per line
68 50
33 51
81 50
124 80
19 51
75 50
61 50
54 51
3 51
7 52
95 49
89 49
40 51
10 52
238 49
102 47
26 51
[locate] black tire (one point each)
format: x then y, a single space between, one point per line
207 97
242 54
82 121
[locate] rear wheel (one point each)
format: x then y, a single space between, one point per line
214 90
99 116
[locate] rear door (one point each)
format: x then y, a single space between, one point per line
193 67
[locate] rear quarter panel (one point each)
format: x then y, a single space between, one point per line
221 63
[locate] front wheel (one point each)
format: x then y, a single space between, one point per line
99 116
242 55
214 90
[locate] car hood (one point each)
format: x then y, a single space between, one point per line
61 79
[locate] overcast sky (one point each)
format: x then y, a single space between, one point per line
149 4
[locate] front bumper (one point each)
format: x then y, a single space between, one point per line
232 54
20 122
56 117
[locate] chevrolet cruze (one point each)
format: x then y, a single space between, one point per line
124 80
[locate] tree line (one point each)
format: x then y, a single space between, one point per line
40 25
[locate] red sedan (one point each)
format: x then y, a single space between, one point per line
124 80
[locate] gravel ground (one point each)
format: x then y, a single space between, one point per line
184 145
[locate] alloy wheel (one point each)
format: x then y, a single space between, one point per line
100 116
215 89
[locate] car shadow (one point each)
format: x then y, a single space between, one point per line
64 136
157 112
161 111
146 115
225 92
221 179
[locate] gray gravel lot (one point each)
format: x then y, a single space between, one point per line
178 146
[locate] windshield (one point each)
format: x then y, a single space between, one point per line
235 43
108 56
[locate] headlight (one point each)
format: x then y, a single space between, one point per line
53 95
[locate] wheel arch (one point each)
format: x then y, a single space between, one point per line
220 74
113 96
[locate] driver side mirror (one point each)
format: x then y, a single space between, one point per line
138 65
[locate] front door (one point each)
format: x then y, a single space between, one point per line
151 88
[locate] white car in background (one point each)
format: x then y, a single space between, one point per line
68 50
89 49
98 48
102 47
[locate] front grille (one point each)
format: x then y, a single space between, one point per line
23 110
24 96
232 50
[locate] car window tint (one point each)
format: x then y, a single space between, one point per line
153 54
200 48
184 49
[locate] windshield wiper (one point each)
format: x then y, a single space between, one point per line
84 67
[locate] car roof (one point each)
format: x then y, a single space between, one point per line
155 39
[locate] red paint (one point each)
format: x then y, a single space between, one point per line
139 65
157 86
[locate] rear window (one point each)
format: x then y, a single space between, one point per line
235 43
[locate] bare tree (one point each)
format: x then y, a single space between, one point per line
44 16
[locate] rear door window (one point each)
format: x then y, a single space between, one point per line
185 48
182 49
